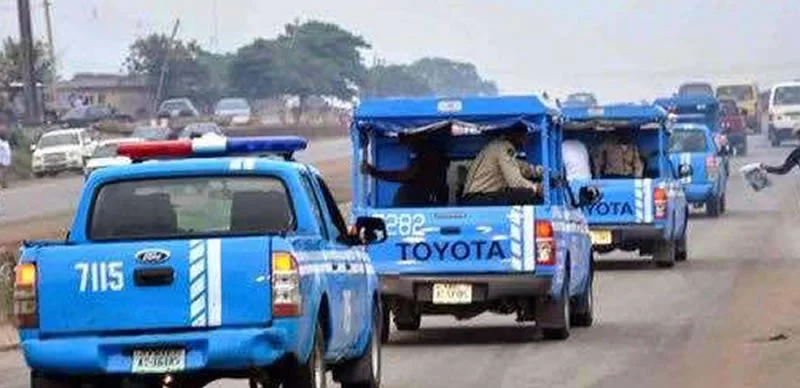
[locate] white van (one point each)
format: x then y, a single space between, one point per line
783 109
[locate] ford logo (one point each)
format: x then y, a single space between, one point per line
152 256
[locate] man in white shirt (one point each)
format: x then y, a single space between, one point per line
5 154
576 160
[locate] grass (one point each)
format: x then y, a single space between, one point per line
7 262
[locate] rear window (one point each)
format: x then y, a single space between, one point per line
191 207
738 93
787 95
60 139
687 141
696 90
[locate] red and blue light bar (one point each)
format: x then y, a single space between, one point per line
213 146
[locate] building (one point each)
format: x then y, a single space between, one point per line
127 93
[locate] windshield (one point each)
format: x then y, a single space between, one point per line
696 90
174 105
77 113
58 140
233 104
683 140
736 92
149 133
191 207
108 150
200 129
787 95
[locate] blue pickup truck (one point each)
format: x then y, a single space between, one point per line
452 258
704 174
647 213
220 263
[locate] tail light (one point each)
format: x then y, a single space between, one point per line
545 243
287 300
660 202
712 168
26 308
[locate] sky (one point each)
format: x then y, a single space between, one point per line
621 50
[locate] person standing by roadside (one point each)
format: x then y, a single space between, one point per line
5 156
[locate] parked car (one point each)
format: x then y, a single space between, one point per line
105 155
61 150
177 107
200 129
783 107
154 133
746 97
84 116
233 111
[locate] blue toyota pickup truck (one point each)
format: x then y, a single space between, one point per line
215 264
647 213
704 174
451 258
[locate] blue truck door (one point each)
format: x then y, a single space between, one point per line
344 263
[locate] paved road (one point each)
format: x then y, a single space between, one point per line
705 323
59 195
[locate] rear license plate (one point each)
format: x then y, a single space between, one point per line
444 293
158 360
601 237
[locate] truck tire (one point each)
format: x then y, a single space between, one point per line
562 304
664 253
407 317
38 380
385 323
682 249
713 207
723 206
365 371
583 307
310 374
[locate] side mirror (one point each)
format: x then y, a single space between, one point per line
685 170
589 195
370 230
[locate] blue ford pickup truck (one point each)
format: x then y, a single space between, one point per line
456 259
216 265
646 213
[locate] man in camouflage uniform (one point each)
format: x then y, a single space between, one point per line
496 177
618 157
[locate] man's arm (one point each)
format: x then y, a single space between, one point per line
399 176
638 163
791 160
510 169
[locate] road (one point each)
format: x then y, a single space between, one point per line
59 195
726 318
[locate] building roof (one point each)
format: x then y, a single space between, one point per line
104 81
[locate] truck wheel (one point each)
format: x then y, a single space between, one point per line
583 308
365 372
39 380
722 204
385 323
664 253
407 317
562 305
310 374
713 207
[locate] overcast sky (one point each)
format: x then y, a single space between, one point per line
620 49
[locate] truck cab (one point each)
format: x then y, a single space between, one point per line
700 161
204 259
645 212
451 258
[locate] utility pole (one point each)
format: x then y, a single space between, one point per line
51 50
165 64
28 77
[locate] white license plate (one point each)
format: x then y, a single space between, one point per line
444 293
601 237
158 360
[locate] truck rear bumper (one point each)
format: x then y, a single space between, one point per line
698 192
628 237
485 288
221 349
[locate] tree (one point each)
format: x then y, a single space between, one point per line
452 78
11 66
186 76
255 70
318 58
394 81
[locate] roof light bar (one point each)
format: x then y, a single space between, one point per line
213 146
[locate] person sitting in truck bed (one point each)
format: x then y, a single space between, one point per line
618 157
496 177
424 181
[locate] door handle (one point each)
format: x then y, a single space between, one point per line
449 230
153 277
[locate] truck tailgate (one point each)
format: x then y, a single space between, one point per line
624 201
456 240
154 285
